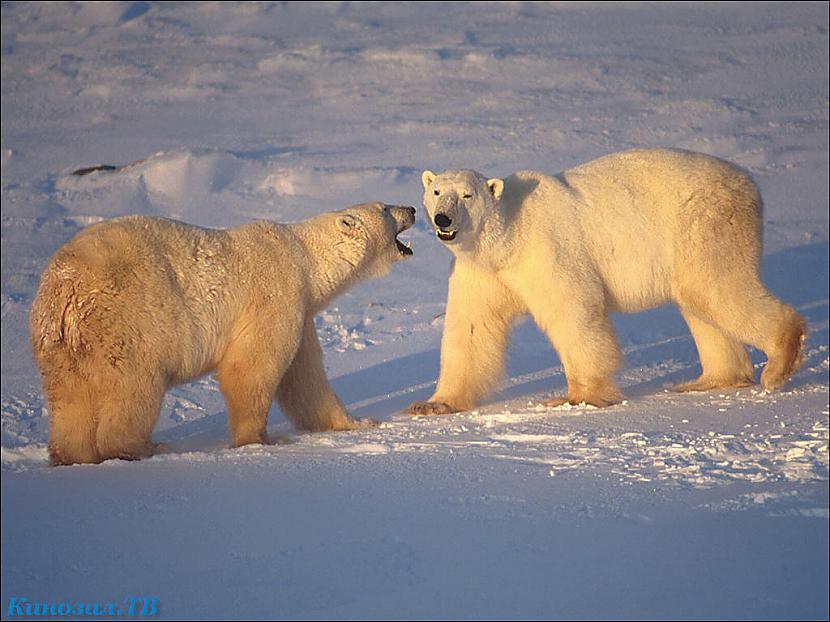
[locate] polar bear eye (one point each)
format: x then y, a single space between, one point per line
436 192
468 196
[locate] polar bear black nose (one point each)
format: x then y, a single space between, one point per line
442 220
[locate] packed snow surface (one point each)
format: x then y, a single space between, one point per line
667 505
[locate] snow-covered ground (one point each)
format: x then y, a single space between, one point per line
703 505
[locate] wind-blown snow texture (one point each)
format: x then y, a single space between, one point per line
704 505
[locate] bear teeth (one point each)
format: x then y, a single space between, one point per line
446 236
403 249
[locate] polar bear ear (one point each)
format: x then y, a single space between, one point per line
496 187
348 223
427 177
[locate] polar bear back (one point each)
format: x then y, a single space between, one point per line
641 215
155 283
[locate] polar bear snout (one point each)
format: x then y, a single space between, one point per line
407 217
404 217
442 220
444 232
446 217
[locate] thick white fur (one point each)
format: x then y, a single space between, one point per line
626 232
135 305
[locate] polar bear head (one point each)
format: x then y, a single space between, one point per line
367 237
458 203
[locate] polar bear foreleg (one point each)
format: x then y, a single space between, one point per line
248 398
249 373
582 335
304 393
480 313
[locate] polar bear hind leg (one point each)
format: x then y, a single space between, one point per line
724 359
72 423
93 419
787 351
717 281
127 409
754 316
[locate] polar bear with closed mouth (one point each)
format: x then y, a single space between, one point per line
626 232
132 306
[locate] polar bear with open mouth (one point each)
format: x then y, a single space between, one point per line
135 305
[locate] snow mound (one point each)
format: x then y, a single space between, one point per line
181 183
184 176
221 188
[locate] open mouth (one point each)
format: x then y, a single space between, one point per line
404 218
445 236
403 249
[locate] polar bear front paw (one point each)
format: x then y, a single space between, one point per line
430 408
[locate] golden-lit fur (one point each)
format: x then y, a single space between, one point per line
132 306
626 232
